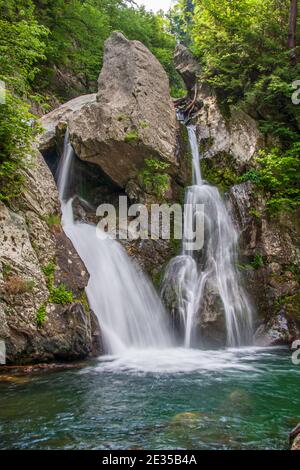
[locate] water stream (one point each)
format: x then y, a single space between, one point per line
216 269
129 310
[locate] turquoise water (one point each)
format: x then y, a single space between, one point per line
172 399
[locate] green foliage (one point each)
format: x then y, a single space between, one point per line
78 30
60 295
49 271
6 269
143 124
256 213
17 129
131 136
242 49
277 173
220 174
52 220
21 46
154 179
41 315
257 261
250 175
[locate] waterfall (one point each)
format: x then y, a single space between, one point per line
191 273
129 310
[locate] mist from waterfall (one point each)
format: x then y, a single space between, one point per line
130 312
191 273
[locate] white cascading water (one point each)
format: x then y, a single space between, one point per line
217 267
129 310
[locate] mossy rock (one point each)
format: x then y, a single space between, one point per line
220 171
292 306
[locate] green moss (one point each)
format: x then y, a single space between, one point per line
157 278
295 269
255 213
221 174
175 245
205 144
84 301
41 315
143 124
257 261
6 269
52 220
122 117
185 157
292 304
131 136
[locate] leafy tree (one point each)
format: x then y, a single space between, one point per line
78 29
21 46
278 172
244 55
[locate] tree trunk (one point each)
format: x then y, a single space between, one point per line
293 25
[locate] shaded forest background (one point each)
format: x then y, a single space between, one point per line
52 50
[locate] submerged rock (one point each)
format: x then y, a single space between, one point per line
188 418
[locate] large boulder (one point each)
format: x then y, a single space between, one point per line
133 119
35 257
57 120
186 65
237 136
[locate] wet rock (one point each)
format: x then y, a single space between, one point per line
270 252
31 240
237 136
278 330
211 324
239 401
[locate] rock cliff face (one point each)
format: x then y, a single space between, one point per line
270 256
43 312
